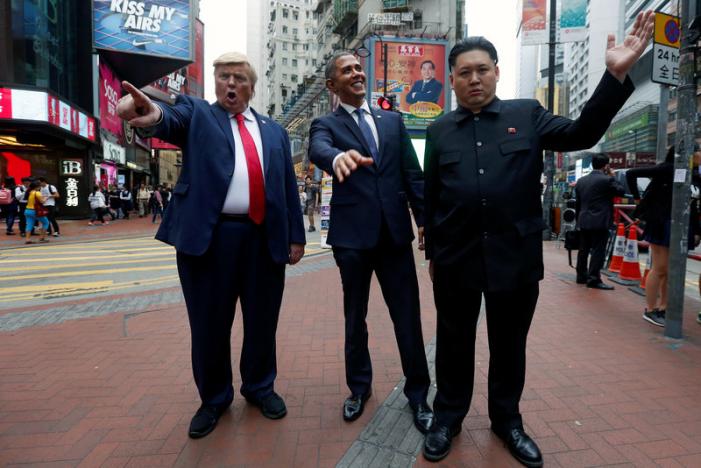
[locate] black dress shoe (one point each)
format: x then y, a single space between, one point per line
272 406
523 448
354 405
437 442
204 421
582 281
600 285
423 416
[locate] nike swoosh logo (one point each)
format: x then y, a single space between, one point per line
136 43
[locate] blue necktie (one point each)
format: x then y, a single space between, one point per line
367 134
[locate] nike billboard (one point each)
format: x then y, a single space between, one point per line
161 28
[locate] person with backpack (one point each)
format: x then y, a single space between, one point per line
35 211
50 194
8 204
20 196
98 205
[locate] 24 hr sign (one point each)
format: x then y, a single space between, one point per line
665 65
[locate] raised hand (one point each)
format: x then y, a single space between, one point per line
349 162
137 108
621 57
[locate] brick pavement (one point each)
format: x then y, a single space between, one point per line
603 387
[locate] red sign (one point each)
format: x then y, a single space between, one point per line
157 143
110 92
54 112
5 103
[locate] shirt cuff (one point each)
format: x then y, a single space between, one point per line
333 164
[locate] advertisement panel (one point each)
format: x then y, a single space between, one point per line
110 92
417 74
195 71
573 20
533 25
159 27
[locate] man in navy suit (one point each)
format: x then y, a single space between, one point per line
376 176
428 88
235 221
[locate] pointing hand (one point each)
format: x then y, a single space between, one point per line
137 108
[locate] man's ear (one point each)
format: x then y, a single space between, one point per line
330 86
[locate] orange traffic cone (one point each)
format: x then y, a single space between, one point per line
648 265
619 249
630 268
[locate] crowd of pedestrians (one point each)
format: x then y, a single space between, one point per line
32 206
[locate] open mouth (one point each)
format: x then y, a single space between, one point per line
231 95
358 84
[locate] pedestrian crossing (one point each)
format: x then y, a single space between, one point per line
45 274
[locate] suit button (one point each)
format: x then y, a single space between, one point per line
481 171
485 235
484 202
479 143
477 119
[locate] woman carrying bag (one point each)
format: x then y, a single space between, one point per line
36 211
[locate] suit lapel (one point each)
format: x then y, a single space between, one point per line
222 117
348 120
377 118
266 134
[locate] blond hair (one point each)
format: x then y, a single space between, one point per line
236 58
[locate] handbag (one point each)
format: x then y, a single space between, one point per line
40 209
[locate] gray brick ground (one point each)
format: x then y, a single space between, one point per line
390 438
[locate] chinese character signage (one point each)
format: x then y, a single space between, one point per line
161 28
71 191
417 73
665 58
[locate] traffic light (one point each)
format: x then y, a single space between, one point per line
386 102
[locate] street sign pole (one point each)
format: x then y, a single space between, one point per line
549 159
686 125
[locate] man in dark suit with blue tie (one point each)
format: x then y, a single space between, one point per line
235 221
428 88
376 176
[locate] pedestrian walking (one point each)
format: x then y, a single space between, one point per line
20 196
34 212
235 223
483 165
50 194
655 210
594 207
375 172
126 201
98 206
142 199
115 203
311 188
156 204
9 204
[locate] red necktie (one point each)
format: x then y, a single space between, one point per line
256 188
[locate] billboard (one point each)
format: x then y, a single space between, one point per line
417 75
110 92
533 25
40 106
161 28
573 20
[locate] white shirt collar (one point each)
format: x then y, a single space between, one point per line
247 114
350 109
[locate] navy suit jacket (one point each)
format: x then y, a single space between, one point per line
203 132
385 188
431 92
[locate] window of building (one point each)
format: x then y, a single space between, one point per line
307 14
284 76
285 13
314 62
294 62
295 15
284 60
305 47
293 78
295 31
284 29
284 93
284 46
294 46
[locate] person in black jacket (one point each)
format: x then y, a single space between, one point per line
483 227
594 206
656 210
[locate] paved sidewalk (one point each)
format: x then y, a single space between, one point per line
603 386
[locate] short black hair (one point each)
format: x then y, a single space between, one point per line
330 70
433 65
43 179
472 43
599 161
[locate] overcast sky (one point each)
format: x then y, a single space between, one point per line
225 30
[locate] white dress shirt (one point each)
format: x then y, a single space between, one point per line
368 118
237 198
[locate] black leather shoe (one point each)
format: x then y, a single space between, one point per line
581 281
523 448
600 285
423 416
204 421
272 406
354 405
437 442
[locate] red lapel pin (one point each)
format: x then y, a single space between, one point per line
511 130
